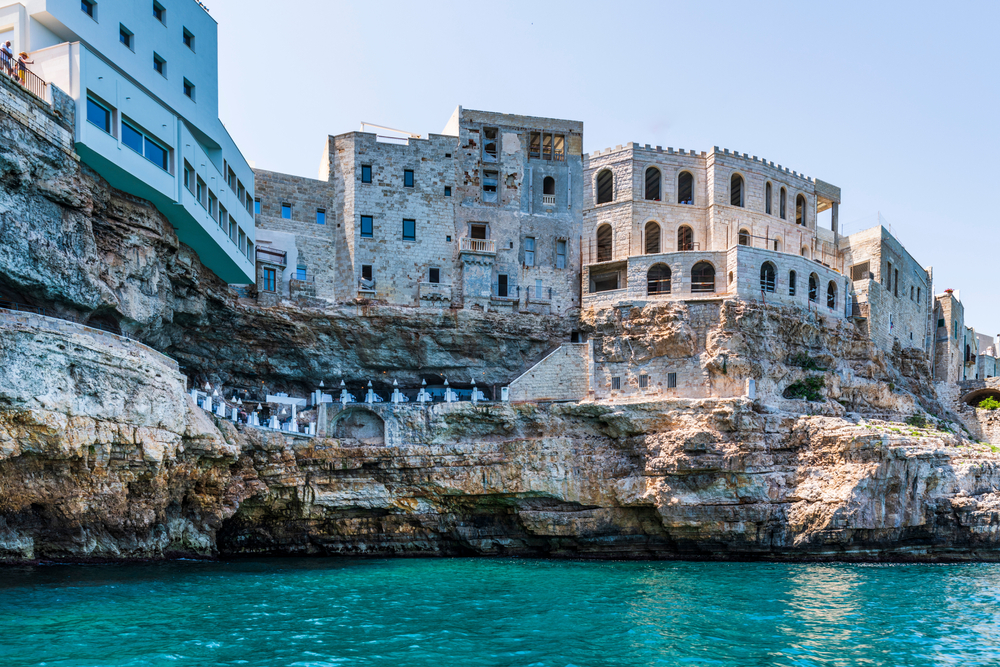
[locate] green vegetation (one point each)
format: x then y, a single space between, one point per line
803 360
808 388
917 420
989 403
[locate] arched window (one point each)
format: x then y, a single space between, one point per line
658 279
604 243
800 210
805 252
653 184
791 283
777 244
549 186
736 190
782 204
685 188
652 238
767 277
605 187
767 198
744 237
703 277
813 287
685 238
831 295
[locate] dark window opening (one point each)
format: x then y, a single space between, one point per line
671 380
782 203
188 39
125 36
159 13
605 187
658 279
490 180
616 383
409 230
791 283
478 231
604 244
767 277
407 178
367 228
685 188
447 191
895 283
366 173
549 186
434 275
703 277
535 145
744 237
685 239
831 295
800 210
366 272
89 8
652 238
861 271
490 144
188 89
653 184
813 287
159 65
604 282
767 199
643 381
736 190
502 284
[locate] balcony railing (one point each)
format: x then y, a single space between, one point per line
20 73
477 245
271 256
549 199
539 293
512 292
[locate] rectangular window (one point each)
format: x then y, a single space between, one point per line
407 178
188 89
546 146
888 276
895 283
300 272
249 249
160 65
941 322
99 115
409 230
200 193
256 207
212 204
231 179
616 383
447 191
535 145
240 190
233 228
321 216
434 275
223 215
529 251
132 138
89 8
559 148
502 284
145 146
367 228
286 211
159 13
269 282
125 36
538 288
188 177
366 272
560 254
643 381
243 241
188 39
490 144
248 202
490 179
366 173
477 231
671 380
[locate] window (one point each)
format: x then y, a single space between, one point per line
604 244
535 145
560 254
736 190
409 230
529 251
940 322
860 271
538 288
652 238
98 115
201 192
188 177
366 272
231 178
490 143
213 205
145 146
447 191
366 173
777 245
912 292
125 36
813 287
643 381
603 282
767 198
685 188
160 65
223 214
895 283
321 216
286 211
791 283
671 380
831 295
367 230
159 13
546 146
767 277
268 284
616 383
490 186
188 89
782 203
89 8
407 178
685 238
188 39
256 207
800 210
653 184
447 239
658 279
249 249
478 231
243 241
434 275
301 272
703 277
502 289
549 186
233 228
918 295
744 237
605 187
559 147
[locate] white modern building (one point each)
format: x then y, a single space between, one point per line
144 75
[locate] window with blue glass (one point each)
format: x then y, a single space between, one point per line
99 115
321 216
300 272
407 178
145 146
409 230
367 228
159 13
256 207
366 173
286 211
89 8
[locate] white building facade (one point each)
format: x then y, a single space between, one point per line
144 76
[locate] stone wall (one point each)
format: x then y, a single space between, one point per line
52 123
949 328
563 375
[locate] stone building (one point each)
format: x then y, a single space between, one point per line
949 337
484 215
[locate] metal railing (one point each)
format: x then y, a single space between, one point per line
654 287
703 286
19 72
477 245
271 256
549 199
539 293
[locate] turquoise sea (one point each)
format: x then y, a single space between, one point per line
498 612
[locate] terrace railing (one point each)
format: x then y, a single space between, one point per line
19 72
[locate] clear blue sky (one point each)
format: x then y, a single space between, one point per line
895 103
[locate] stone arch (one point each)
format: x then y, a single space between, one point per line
653 184
605 186
652 238
548 186
685 238
800 210
658 279
605 243
831 295
767 277
361 425
685 187
973 398
703 277
743 237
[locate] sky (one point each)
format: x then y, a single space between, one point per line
896 103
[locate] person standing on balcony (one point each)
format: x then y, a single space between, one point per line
7 57
22 70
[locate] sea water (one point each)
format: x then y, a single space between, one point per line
498 612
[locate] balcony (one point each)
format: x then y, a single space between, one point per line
271 256
488 246
28 80
434 294
549 200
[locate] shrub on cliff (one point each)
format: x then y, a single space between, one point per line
807 388
988 403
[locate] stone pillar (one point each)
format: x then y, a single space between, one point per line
834 216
